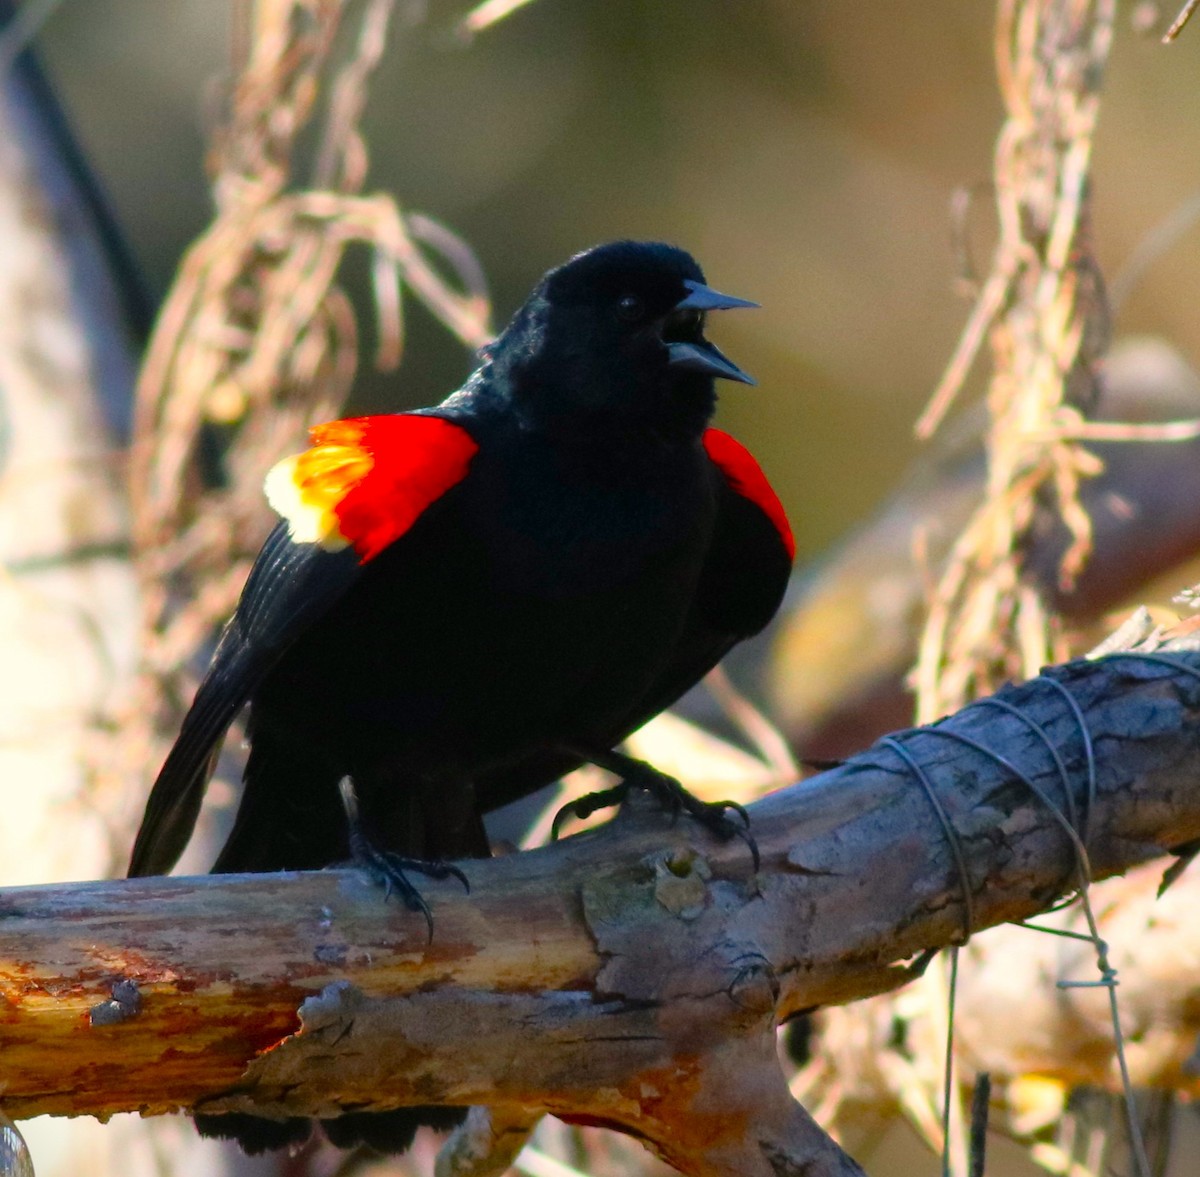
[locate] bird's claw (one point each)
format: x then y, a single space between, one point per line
386 868
746 836
740 810
714 817
673 798
583 807
388 871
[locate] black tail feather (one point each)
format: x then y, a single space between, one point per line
389 1132
254 1134
290 816
174 801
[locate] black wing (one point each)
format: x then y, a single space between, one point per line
382 472
289 587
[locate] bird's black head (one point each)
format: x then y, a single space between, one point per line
615 338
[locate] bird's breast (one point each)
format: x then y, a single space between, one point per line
557 523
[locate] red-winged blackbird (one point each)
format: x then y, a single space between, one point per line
463 603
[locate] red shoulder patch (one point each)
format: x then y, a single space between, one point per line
745 476
366 480
414 461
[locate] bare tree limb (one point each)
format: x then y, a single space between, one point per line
631 977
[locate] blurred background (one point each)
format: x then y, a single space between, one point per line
806 151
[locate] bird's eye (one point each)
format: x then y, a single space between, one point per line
630 307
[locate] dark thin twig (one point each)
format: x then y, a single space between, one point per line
979 1123
22 27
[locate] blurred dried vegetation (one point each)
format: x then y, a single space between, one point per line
260 335
990 616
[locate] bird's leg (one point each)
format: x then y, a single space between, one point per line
670 794
387 868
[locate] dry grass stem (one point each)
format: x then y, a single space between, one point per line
1042 308
484 15
1185 14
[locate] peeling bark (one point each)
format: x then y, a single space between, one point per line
632 976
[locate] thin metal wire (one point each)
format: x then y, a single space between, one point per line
1108 975
960 862
1088 751
1008 766
948 1069
1162 659
1044 736
1054 931
956 849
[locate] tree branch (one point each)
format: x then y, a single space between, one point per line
632 976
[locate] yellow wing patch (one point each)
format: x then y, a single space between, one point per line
306 488
366 480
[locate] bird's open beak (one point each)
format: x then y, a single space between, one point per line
702 356
705 357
